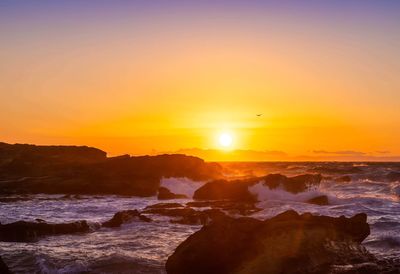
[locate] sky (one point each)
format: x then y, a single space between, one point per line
148 77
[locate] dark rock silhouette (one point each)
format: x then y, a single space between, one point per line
125 216
3 267
22 231
343 179
320 200
165 194
287 243
232 207
237 190
186 215
164 205
84 170
222 189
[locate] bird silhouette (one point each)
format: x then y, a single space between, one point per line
258 115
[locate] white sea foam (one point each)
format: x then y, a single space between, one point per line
181 185
264 193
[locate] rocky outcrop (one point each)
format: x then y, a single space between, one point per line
125 216
3 267
287 243
238 190
165 194
231 207
319 200
22 231
294 184
83 170
185 215
222 189
164 205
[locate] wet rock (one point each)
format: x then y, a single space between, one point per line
294 184
187 215
238 190
171 212
222 189
22 231
3 267
164 205
165 194
200 217
343 179
287 243
125 216
320 200
232 207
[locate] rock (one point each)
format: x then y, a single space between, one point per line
22 231
320 200
238 190
171 212
287 243
222 189
200 217
294 184
165 194
3 267
83 170
125 216
187 215
164 205
343 179
232 207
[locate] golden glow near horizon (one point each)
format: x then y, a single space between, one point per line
154 82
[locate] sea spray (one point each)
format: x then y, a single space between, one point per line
181 185
263 193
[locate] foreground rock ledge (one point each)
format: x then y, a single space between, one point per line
287 243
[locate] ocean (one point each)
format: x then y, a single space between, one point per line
140 247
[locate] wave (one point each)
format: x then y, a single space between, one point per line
264 193
181 185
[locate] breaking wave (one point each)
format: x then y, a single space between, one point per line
181 185
263 193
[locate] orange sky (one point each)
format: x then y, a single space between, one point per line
146 82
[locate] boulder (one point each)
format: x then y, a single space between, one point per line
165 194
222 189
22 231
287 243
319 200
294 184
125 216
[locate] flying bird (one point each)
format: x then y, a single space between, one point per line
258 115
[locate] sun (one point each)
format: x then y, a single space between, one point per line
225 140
